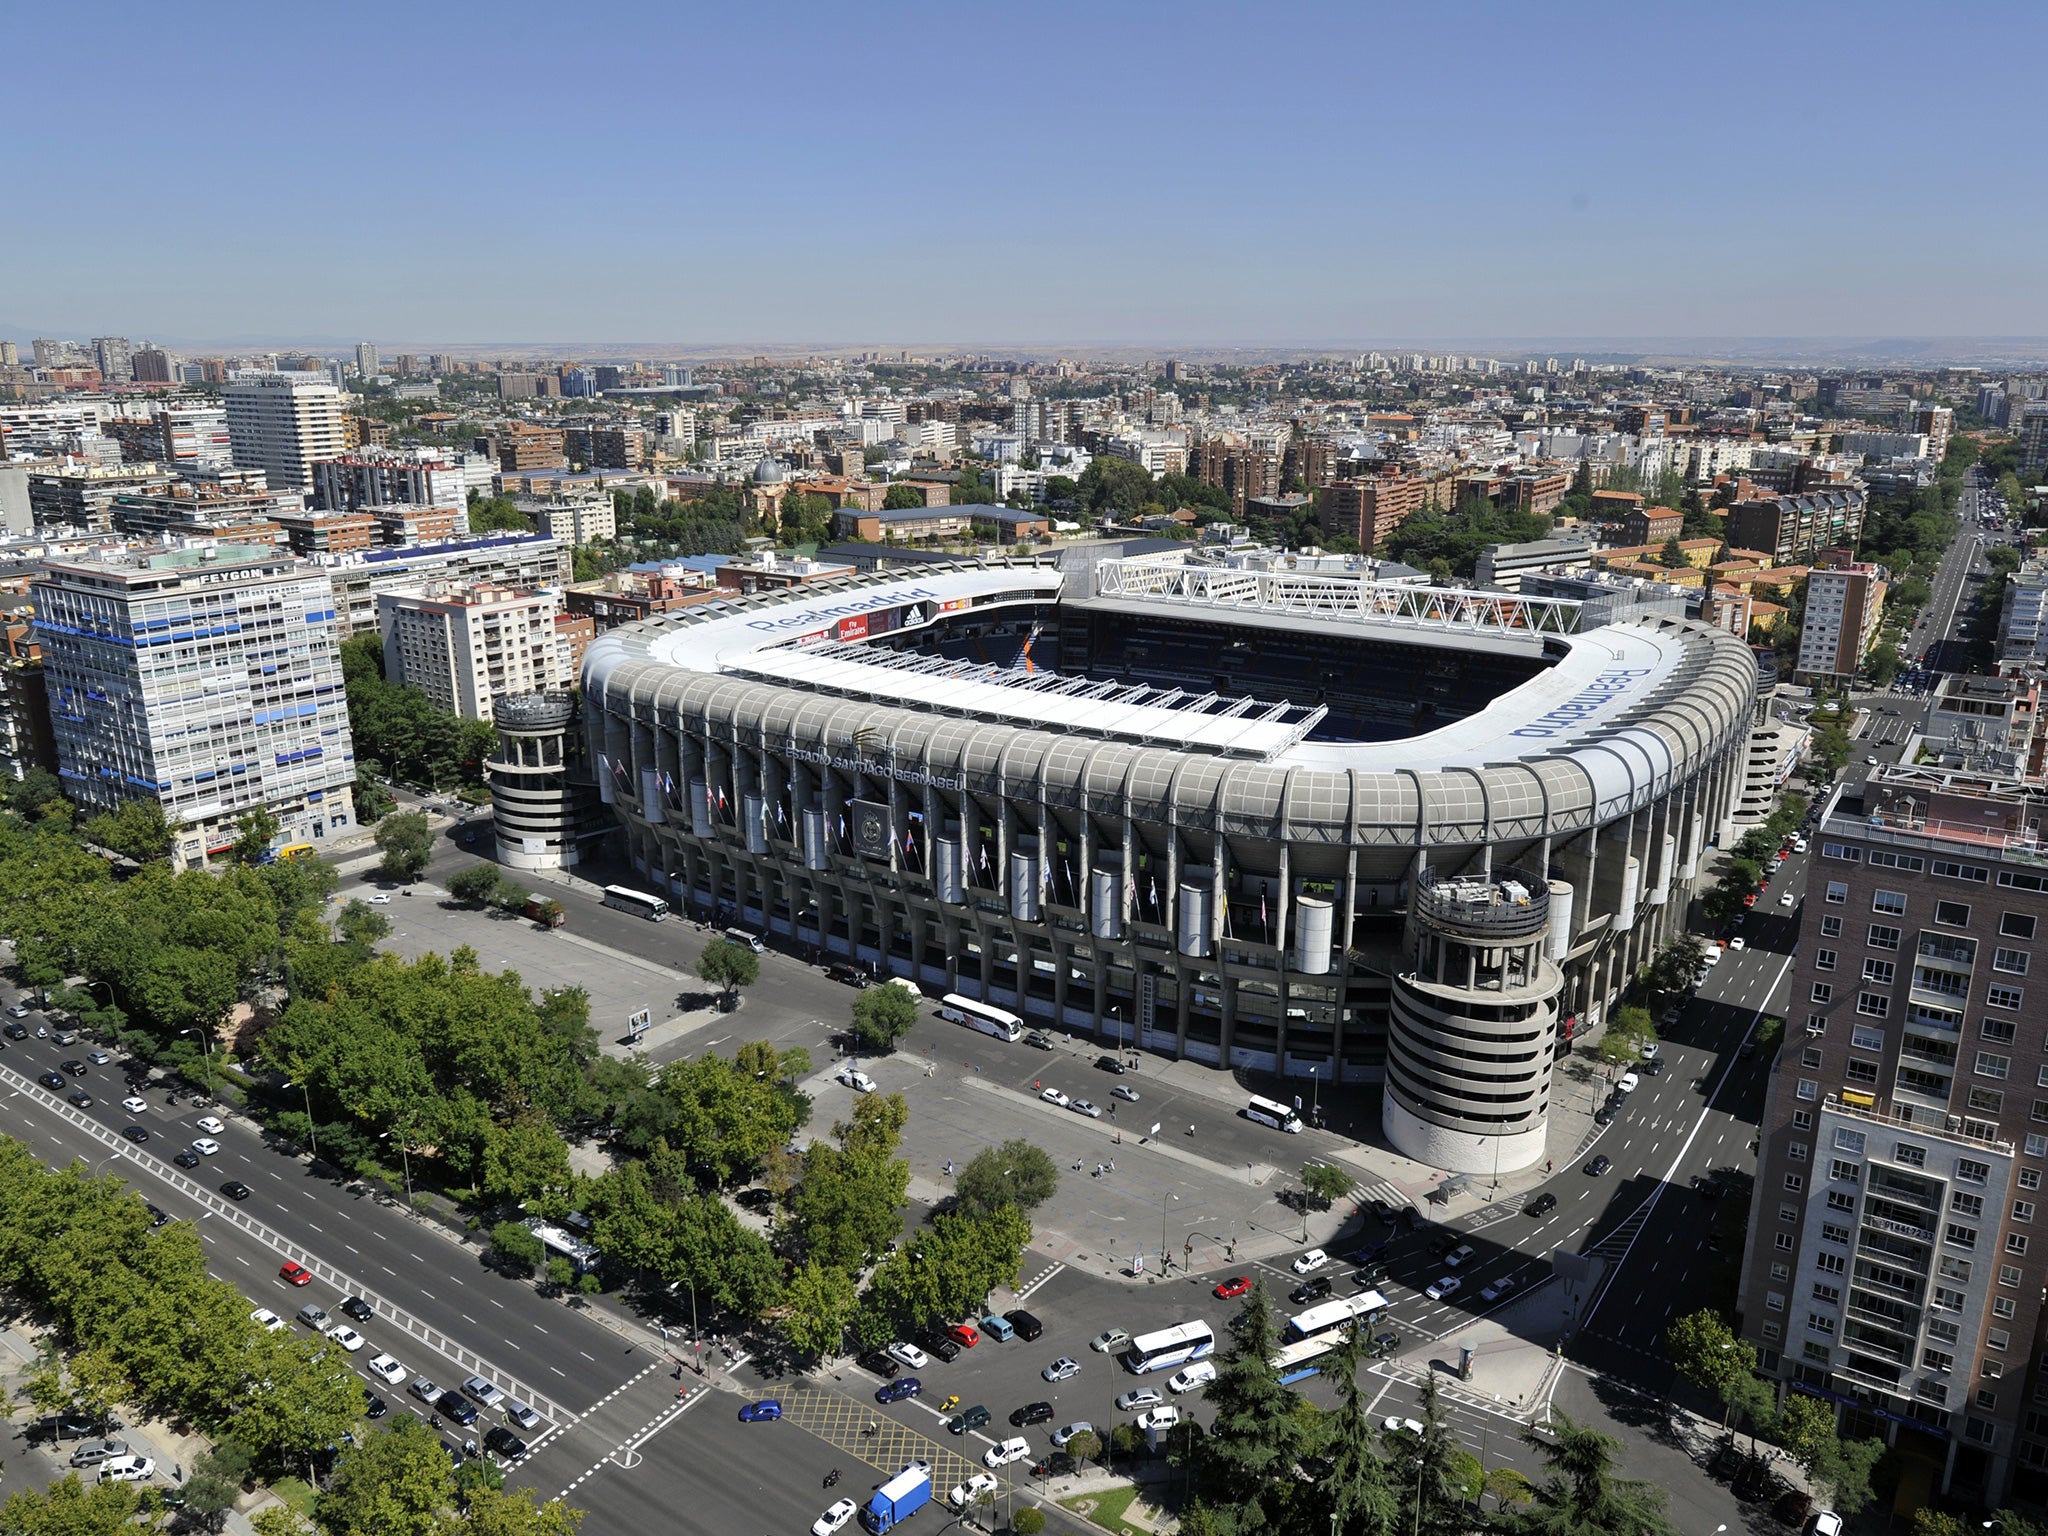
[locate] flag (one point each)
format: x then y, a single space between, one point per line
984 858
1155 893
721 797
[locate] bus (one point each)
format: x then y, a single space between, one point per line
990 1021
1279 1116
653 908
291 853
1335 1316
1169 1348
1297 1362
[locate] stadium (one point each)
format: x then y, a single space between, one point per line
1252 811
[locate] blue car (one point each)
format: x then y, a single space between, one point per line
896 1391
758 1413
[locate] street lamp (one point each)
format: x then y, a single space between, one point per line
206 1040
1164 1262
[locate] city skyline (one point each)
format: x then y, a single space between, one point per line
1126 179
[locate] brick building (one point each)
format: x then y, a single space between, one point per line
1369 509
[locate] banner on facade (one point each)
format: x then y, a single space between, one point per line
870 823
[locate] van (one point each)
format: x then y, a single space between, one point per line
1200 1374
1016 1448
998 1328
746 940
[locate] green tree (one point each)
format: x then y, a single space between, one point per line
1029 1521
1017 1173
1580 1492
1430 1474
496 1512
71 1508
1706 1352
729 966
373 800
1672 555
254 833
1884 663
408 843
360 923
1324 1183
881 1017
900 498
848 1202
1256 1436
137 830
515 1249
1629 1029
215 1483
1677 963
476 886
818 1302
497 514
397 1482
278 1520
1357 1496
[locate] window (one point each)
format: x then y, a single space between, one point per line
1841 1200
2004 1306
1885 859
2023 1210
1824 960
1997 1029
1998 1339
1822 993
2030 1178
1860 1071
1847 852
1882 937
1970 1171
1810 1057
2016 1243
2004 997
1949 1267
1829 1263
1796 1151
1788 1213
1795 1182
2012 961
1847 1140
1991 1064
1815 1352
1842 1169
1959 1235
1966 1205
1991 1370
2037 1146
1893 902
1809 1090
1949 1301
1820 1322
2009 1276
1945 1332
2039 1112
1773 1331
1909 1154
2015 925
1832 1233
1937 1360
1837 892
1784 1243
1976 874
1873 1005
1879 971
1864 1038
1831 927
1802 1119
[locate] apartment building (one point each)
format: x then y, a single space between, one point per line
1891 1269
330 533
26 739
205 677
2023 621
395 478
82 495
520 447
496 559
1844 604
1791 527
195 436
572 519
284 424
1241 471
1370 508
466 647
605 446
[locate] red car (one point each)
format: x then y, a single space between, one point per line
1235 1286
964 1335
294 1273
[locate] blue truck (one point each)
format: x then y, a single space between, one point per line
898 1499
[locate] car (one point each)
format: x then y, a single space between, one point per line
910 1355
134 1105
93 1452
135 1133
346 1337
1396 1425
897 1391
1309 1290
205 1145
1827 1523
1870 762
1066 1432
939 1347
16 1011
1163 1417
763 1412
1542 1205
453 1405
1128 1095
1747 901
184 1157
235 1189
387 1369
1111 1065
54 1081
292 1272
1001 1454
263 1317
1649 1048
1654 1067
966 1419
65 1036
127 1469
375 1407
380 899
1308 1263
966 1335
1055 1097
1369 1274
501 1442
80 1098
211 1124
859 1082
72 1068
1369 1253
998 1328
98 1058
1629 1083
1787 899
1501 1287
1066 1368
1458 1256
1747 1050
521 1415
423 1389
1444 1287
1442 1244
1231 1289
1188 1377
1138 1399
1027 1326
1799 845
483 1391
1712 957
1084 1107
1039 1040
971 1491
1030 1413
1604 1115
357 1308
850 975
1599 1165
834 1519
15 1031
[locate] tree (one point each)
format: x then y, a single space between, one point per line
1028 1521
408 842
818 1302
1356 1496
900 497
496 1512
1672 555
1017 1173
71 1508
137 830
216 1481
373 800
1323 1183
476 886
1431 1476
254 833
1255 1437
881 1017
497 514
729 966
1085 1446
1580 1492
394 1483
1884 663
515 1249
1629 1029
360 923
1706 1352
1677 963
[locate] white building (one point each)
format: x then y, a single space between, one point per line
195 436
466 647
1843 607
572 519
366 359
387 477
283 424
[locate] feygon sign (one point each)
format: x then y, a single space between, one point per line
870 825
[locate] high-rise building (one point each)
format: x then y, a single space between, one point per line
283 424
390 477
50 353
2033 430
10 355
1369 509
82 495
529 560
1844 603
150 365
1789 528
466 647
266 726
114 356
1891 1266
366 359
195 436
1935 422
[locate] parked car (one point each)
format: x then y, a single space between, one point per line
1066 1368
874 1360
941 1348
1039 1040
970 1491
967 1419
1163 1417
998 1328
1066 1432
1054 1096
127 1469
1110 1064
1138 1399
897 1391
502 1442
453 1405
93 1452
1128 1095
388 1369
1028 1327
1188 1377
910 1355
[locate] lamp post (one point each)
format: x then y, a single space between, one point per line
1315 1100
1164 1261
206 1041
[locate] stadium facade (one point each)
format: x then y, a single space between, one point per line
1289 820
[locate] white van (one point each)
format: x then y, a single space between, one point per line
1001 1454
745 939
1200 1374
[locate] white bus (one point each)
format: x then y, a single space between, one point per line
1169 1348
1334 1316
1279 1116
653 908
990 1021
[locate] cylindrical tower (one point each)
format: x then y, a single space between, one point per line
1473 1024
543 799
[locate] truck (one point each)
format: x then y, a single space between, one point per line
898 1499
547 913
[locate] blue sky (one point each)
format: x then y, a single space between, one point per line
933 173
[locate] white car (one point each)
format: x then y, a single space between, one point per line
1083 1107
1629 1083
346 1337
391 1372
1395 1423
1054 1096
1062 1369
1066 1432
1458 1256
859 1082
1499 1288
206 1145
1737 942
834 1519
1138 1399
381 899
1159 1418
133 1105
1186 1379
1649 1048
967 1492
127 1469
263 1317
1128 1095
1443 1289
1311 1261
1016 1448
1799 845
1787 899
211 1125
1713 956
910 1355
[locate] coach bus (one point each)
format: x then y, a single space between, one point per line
653 908
990 1021
1169 1348
1335 1316
1267 1112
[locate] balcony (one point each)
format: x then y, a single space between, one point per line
1898 1228
1513 904
1835 1105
